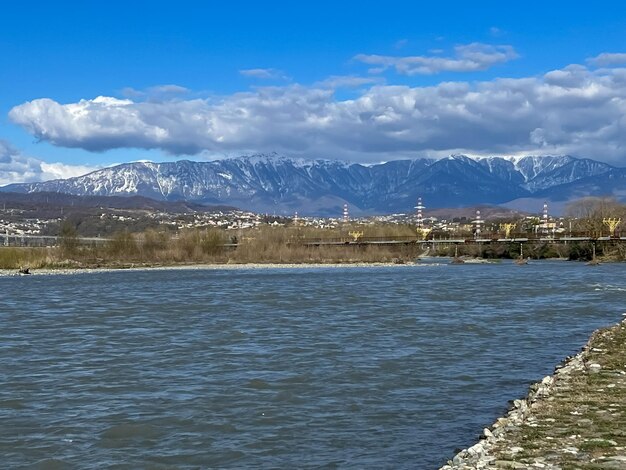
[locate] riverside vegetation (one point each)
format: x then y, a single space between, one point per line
271 245
197 246
284 244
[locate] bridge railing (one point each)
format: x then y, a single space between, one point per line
19 240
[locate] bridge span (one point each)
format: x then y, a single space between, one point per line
365 241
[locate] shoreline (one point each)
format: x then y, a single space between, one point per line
426 261
207 266
567 418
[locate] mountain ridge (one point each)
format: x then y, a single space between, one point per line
279 184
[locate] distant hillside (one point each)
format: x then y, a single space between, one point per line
51 201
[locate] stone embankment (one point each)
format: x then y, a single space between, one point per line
574 419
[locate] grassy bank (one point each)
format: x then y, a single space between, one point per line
575 419
583 423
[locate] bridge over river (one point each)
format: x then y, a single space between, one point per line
365 241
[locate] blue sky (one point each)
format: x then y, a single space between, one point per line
362 81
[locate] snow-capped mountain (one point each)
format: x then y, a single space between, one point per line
281 185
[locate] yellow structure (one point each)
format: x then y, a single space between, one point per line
356 235
422 232
507 229
612 223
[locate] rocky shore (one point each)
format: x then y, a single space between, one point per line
574 419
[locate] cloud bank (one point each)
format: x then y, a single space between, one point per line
607 59
18 168
575 110
468 58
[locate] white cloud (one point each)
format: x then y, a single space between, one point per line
607 59
400 43
467 58
495 31
18 168
264 74
62 170
348 81
169 89
156 93
572 110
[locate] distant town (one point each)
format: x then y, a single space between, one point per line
40 225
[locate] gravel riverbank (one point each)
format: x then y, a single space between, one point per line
245 266
574 419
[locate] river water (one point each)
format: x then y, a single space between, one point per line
375 367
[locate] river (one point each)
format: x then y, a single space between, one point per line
368 367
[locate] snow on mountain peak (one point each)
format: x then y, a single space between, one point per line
274 158
269 182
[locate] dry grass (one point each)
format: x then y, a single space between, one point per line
15 258
259 245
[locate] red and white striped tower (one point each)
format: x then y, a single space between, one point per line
346 214
477 224
419 207
544 224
